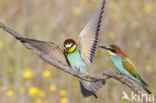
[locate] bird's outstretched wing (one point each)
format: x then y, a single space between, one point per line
88 37
47 48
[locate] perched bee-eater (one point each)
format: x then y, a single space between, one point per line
76 55
124 65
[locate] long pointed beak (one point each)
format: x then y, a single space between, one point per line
104 47
67 48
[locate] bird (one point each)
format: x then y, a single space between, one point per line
74 54
124 65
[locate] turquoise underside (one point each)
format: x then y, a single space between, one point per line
76 62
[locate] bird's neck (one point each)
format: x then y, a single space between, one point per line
115 59
121 54
73 57
75 61
76 51
117 62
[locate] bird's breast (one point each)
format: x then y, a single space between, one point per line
76 61
117 62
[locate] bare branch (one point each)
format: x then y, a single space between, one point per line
89 77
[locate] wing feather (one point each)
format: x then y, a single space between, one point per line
128 65
48 48
88 38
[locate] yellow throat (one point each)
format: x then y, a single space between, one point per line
110 53
71 49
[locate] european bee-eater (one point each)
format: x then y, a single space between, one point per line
124 65
76 55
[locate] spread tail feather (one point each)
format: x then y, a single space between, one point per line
88 90
144 84
148 91
143 81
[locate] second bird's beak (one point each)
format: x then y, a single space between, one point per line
104 47
108 49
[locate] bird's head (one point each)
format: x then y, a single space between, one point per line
113 50
69 45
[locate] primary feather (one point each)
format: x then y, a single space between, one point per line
88 38
48 48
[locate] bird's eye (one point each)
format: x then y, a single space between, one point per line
112 50
68 45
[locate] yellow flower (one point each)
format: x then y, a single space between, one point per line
1 44
11 70
27 74
38 100
77 10
112 5
46 74
21 90
52 88
32 91
149 65
41 93
10 93
63 100
62 93
148 9
75 83
111 35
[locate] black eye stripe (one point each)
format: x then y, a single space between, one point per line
72 45
111 50
69 47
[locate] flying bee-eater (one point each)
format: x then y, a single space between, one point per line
76 55
124 65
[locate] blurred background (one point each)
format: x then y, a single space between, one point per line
25 78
